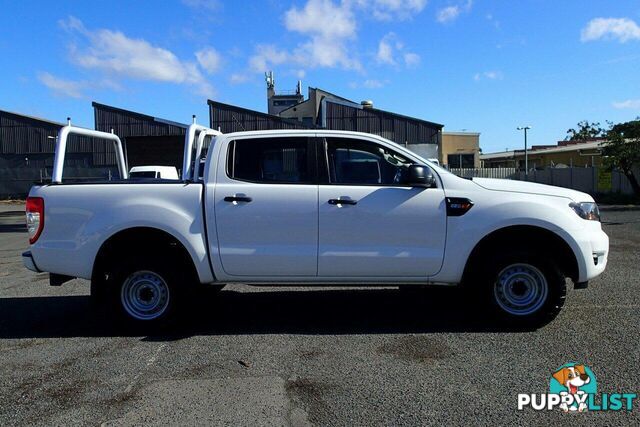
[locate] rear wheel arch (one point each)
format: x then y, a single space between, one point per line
138 242
523 238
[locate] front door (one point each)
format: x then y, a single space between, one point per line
266 207
370 224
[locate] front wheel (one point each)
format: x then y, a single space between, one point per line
524 291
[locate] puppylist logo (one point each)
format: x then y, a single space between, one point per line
574 388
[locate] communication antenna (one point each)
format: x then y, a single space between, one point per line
271 81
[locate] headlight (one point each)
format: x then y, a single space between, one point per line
586 210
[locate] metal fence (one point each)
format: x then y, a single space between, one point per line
502 173
590 180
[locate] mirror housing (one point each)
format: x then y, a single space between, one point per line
420 176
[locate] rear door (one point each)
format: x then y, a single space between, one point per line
266 207
370 224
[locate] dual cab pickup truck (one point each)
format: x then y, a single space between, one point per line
311 207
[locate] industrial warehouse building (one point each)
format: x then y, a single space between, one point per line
27 144
146 140
564 154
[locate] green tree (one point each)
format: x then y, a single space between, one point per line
585 131
622 150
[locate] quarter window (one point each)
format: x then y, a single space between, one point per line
358 162
270 160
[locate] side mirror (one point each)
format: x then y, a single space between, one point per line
420 176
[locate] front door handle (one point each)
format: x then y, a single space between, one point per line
237 198
342 202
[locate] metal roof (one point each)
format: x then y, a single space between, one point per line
130 123
396 127
591 145
230 118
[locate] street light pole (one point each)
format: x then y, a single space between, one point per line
526 154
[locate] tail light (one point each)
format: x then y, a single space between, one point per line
35 217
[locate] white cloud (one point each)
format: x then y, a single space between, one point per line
209 59
75 88
238 78
488 75
369 84
321 17
329 26
629 104
448 14
329 29
385 51
451 13
118 55
373 84
267 55
621 29
70 88
411 59
207 5
391 51
388 10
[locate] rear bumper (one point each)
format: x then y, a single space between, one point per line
29 263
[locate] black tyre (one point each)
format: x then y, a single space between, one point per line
523 290
144 293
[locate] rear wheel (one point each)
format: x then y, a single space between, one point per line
523 290
144 293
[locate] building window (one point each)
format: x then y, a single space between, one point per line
270 160
461 160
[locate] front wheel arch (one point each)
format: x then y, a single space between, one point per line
522 238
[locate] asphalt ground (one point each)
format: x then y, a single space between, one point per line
300 356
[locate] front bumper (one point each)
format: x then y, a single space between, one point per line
595 253
29 263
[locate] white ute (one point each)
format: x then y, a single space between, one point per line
311 207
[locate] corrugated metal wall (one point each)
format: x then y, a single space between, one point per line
230 118
400 129
128 123
23 135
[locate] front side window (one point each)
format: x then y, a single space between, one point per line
270 160
359 162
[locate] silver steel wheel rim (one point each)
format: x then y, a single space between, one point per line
145 295
521 289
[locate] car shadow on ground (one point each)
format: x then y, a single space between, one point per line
312 312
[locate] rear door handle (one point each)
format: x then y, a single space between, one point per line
342 202
236 199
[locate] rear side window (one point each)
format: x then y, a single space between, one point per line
270 160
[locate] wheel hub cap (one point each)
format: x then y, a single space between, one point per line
521 289
145 295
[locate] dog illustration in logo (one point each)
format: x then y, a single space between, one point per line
573 377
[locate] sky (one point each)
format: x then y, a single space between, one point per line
476 65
